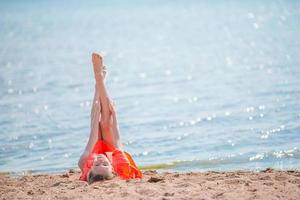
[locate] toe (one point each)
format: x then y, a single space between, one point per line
95 55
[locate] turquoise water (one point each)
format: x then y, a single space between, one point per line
198 85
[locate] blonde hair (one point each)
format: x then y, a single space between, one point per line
97 177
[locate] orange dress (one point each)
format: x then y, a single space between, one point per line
122 162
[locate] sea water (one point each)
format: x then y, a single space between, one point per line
198 85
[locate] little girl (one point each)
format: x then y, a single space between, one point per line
104 155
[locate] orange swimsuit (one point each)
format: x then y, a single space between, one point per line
122 162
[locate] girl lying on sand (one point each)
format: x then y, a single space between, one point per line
104 156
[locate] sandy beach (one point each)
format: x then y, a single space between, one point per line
267 184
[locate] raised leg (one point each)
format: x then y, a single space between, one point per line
108 123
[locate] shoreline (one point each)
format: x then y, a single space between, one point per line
160 168
276 184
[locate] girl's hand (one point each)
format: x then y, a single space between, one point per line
112 108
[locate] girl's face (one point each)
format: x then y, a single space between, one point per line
102 166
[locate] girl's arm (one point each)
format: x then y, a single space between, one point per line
115 126
95 131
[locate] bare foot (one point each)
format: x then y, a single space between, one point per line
99 68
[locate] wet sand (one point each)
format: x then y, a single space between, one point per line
267 184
